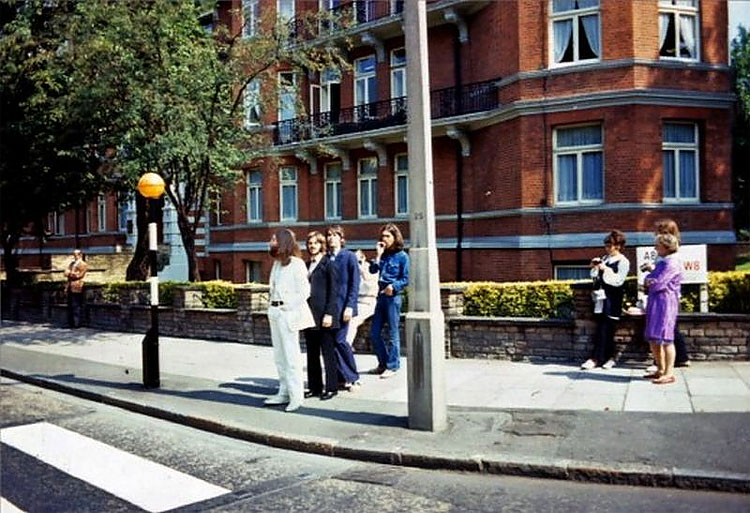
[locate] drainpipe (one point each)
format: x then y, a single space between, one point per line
458 79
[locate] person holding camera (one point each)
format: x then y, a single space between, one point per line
609 273
392 263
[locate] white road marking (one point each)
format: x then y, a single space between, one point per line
8 507
149 485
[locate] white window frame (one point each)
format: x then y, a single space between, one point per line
396 69
678 11
397 173
250 17
573 15
249 264
584 267
278 10
101 213
394 7
288 183
216 205
252 104
366 78
337 198
253 215
87 219
286 89
217 269
578 151
123 202
56 223
371 181
676 148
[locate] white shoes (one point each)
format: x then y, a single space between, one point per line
608 364
387 374
275 400
588 364
292 406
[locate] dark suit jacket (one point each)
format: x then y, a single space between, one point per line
348 276
323 287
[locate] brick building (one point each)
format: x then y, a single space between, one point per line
554 121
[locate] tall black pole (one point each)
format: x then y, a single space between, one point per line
151 340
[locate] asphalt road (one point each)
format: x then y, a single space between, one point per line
63 454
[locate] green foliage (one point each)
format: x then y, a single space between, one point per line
169 94
217 294
547 299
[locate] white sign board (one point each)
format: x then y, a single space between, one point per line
694 262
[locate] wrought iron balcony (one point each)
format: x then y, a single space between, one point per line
444 103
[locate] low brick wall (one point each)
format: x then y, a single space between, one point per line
708 336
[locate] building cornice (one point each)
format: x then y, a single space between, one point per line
609 65
507 112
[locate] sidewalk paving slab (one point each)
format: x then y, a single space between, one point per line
540 420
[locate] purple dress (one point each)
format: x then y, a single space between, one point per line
663 300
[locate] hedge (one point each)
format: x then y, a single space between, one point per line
728 292
545 299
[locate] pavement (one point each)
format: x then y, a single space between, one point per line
529 419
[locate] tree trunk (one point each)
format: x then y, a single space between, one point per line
10 259
138 266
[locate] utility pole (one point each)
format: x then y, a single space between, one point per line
425 326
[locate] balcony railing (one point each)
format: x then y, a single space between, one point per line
444 103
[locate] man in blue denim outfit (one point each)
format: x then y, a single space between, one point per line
393 264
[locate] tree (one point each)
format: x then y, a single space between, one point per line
44 164
741 160
168 94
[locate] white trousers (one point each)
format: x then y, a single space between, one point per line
365 309
286 355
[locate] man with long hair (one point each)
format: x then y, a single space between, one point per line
288 313
392 263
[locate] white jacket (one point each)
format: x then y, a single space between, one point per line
289 284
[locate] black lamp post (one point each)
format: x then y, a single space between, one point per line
151 187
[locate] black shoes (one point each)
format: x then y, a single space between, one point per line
310 393
328 395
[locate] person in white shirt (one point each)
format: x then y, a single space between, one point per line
609 273
368 296
288 314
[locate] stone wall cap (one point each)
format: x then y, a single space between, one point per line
515 320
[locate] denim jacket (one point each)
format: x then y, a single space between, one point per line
394 270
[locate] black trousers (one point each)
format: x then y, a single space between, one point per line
604 341
681 355
75 308
321 342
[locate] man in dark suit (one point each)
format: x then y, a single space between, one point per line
346 302
323 303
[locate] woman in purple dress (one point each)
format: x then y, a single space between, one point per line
663 284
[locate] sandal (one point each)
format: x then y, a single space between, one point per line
664 380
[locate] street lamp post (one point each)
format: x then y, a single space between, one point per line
151 187
425 326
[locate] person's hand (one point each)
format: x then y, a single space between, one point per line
348 314
379 249
327 321
388 291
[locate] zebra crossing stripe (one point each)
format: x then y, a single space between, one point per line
148 485
8 507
